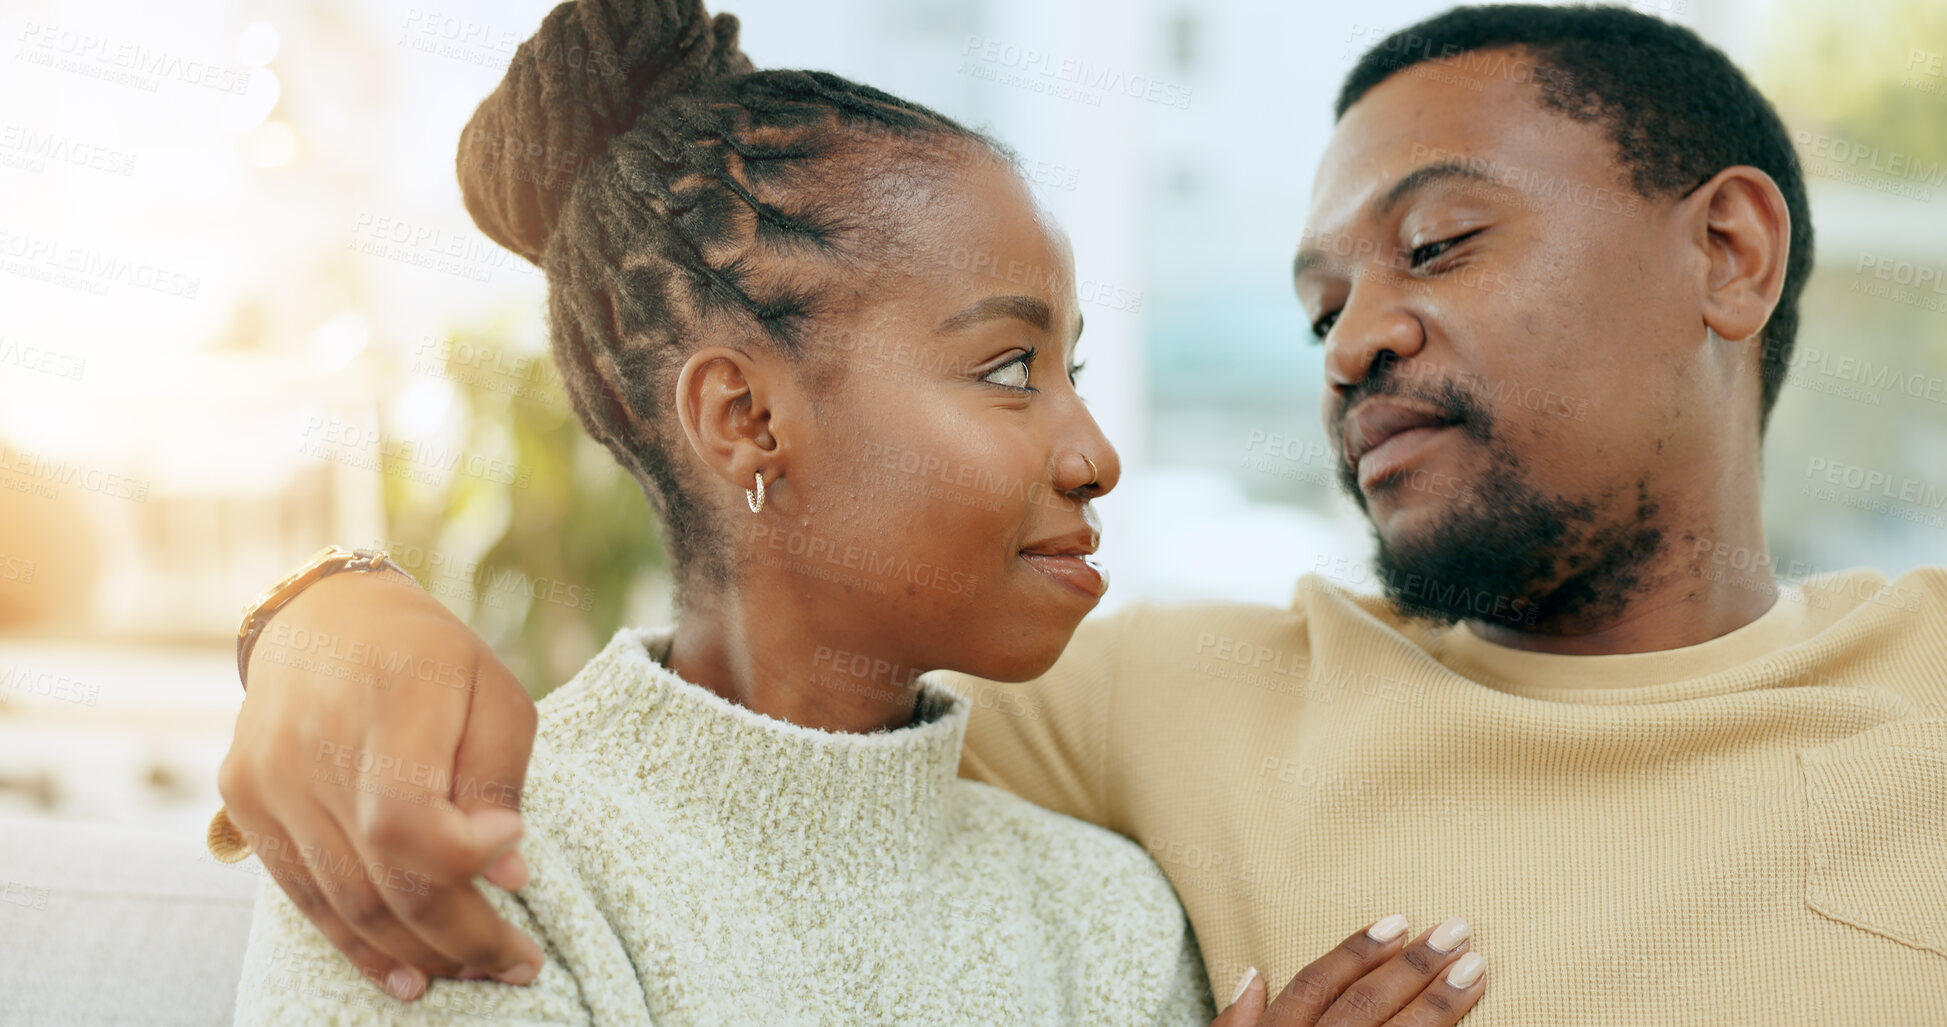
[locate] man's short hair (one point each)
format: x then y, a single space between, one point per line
1676 108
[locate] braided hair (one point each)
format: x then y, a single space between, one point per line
669 191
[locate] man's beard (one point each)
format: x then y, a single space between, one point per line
1505 552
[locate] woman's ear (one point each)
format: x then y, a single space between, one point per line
1745 230
725 402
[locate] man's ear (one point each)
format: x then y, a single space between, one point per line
1744 228
724 401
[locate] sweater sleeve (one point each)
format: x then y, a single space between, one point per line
293 974
1189 1002
1046 740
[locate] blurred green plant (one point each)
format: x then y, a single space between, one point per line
1864 88
1873 72
556 539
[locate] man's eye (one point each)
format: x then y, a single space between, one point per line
1433 249
1323 326
1013 374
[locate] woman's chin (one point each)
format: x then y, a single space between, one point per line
1020 663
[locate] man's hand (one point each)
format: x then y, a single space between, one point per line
376 770
1366 982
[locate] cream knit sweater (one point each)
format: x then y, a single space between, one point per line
694 862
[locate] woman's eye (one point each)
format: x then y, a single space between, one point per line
1323 326
1013 374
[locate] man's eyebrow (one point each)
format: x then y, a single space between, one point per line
1412 182
1025 308
1427 174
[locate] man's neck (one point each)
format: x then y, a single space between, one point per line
1648 625
1693 591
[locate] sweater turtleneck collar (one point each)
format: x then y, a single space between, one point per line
850 803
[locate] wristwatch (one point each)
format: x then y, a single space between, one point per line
225 842
328 561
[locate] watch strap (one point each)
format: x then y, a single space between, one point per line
327 561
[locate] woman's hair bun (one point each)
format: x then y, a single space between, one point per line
585 77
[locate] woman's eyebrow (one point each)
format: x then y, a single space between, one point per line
1025 308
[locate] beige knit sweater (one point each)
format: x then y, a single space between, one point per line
1752 830
694 862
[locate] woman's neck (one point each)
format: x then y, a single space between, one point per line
789 668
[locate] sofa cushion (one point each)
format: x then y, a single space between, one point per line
106 923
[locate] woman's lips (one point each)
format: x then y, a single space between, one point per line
1070 570
1395 452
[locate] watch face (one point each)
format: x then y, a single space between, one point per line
225 843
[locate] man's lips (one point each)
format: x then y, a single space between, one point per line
1379 419
1391 457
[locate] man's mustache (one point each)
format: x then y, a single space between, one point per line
1464 408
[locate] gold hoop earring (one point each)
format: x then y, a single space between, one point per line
1095 472
756 499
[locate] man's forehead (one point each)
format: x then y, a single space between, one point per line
1404 122
1492 125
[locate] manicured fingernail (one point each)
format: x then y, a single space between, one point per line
404 983
1466 970
1242 983
522 974
1388 929
1448 936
